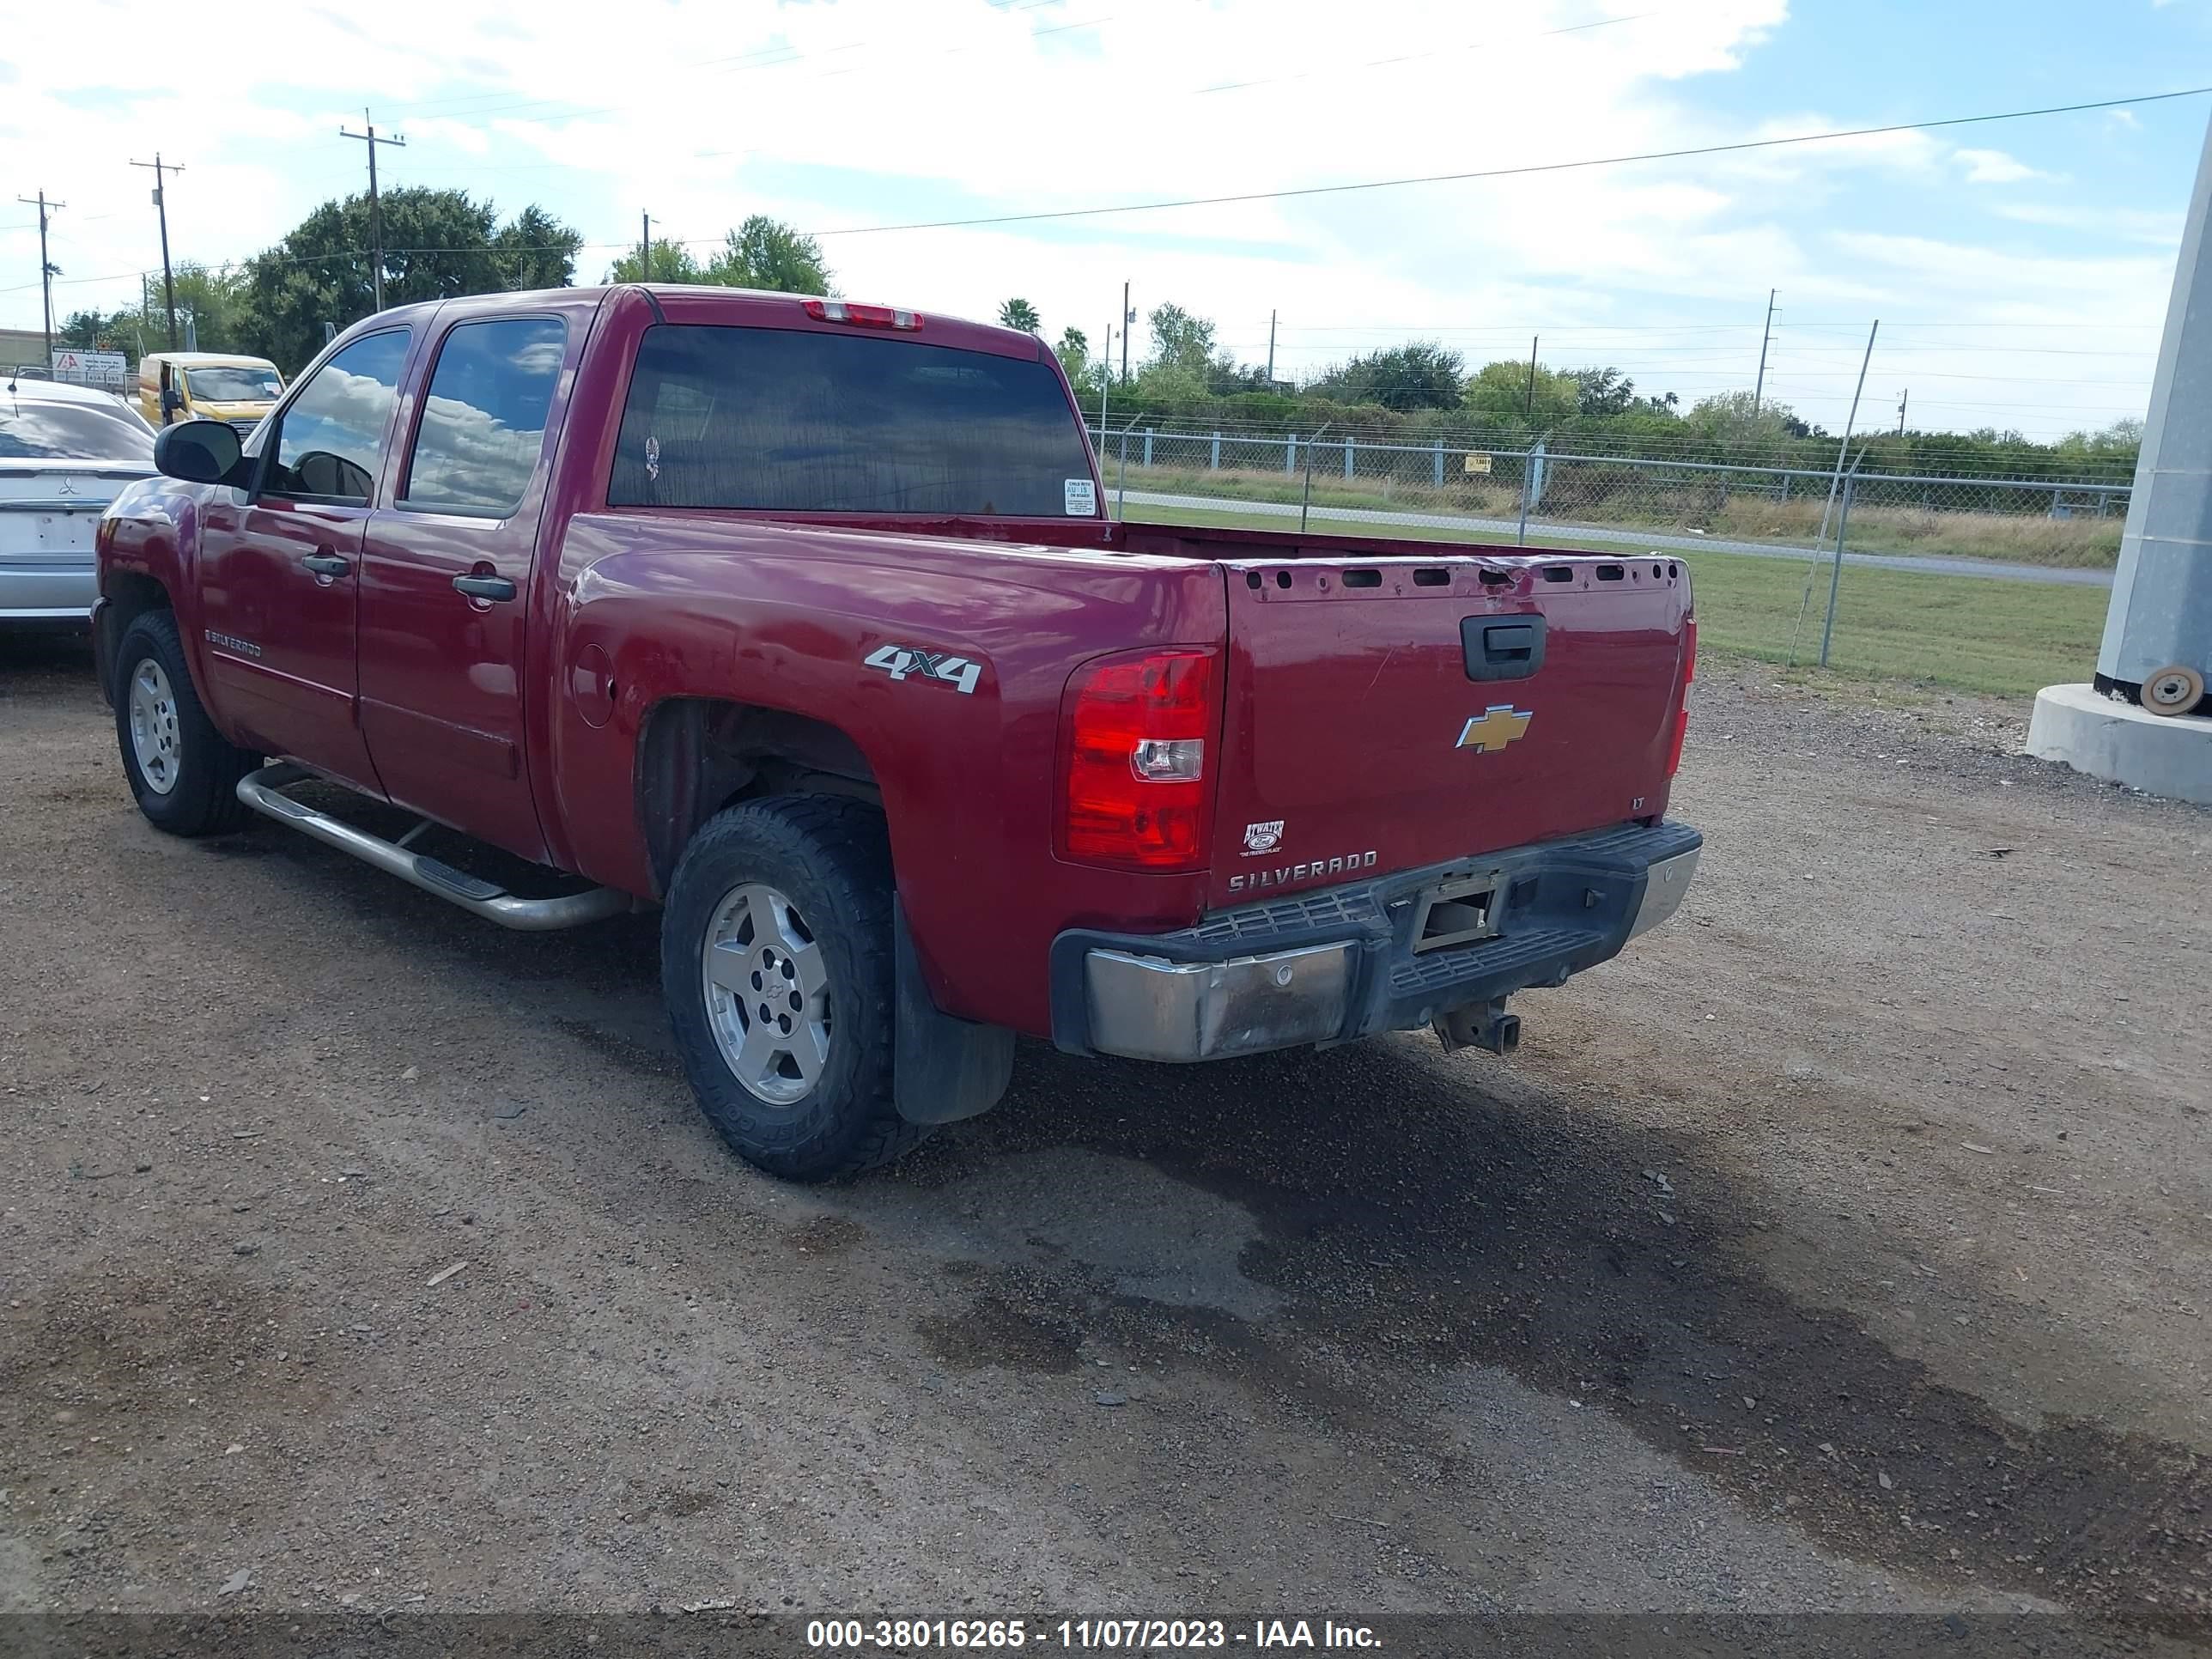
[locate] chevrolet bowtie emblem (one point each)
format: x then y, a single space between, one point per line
1496 726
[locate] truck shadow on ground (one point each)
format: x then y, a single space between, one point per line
1418 1220
1410 1216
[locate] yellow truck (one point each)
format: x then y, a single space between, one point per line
211 386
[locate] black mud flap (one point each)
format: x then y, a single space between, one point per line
943 1069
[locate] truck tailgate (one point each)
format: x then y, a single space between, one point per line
1361 735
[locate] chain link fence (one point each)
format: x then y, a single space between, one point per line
1863 571
1556 497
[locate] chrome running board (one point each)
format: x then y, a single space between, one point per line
263 791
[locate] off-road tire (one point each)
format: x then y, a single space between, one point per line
831 856
203 800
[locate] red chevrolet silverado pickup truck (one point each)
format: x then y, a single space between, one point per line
803 620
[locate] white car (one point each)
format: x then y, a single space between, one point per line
65 452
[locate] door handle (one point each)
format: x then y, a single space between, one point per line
484 587
326 564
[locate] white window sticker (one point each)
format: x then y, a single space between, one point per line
1082 498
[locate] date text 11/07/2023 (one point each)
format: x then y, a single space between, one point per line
1138 1635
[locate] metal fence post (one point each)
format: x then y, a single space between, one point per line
1532 473
1348 447
1836 571
1148 445
1290 454
1305 501
1121 483
1214 460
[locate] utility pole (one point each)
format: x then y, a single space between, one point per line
1271 351
375 205
1127 317
645 247
1768 333
1529 404
45 268
1105 380
162 204
1901 398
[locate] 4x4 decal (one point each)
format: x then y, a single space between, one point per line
901 661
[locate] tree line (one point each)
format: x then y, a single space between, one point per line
1423 392
437 244
441 244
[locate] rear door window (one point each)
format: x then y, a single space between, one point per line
793 421
484 416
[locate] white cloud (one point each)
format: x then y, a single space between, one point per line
856 112
2154 228
1994 167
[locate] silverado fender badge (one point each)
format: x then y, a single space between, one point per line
1496 726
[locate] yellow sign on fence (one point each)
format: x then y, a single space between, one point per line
1478 462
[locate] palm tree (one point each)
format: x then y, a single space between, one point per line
1021 314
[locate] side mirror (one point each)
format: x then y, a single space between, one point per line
199 451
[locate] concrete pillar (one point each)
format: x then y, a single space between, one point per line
2160 615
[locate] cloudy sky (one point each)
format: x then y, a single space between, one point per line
2020 267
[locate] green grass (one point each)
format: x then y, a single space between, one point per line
2006 638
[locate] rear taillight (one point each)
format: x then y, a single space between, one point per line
1134 788
1682 717
842 311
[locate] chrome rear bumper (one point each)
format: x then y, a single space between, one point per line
1145 1008
1347 962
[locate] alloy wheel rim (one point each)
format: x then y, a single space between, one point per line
768 994
155 742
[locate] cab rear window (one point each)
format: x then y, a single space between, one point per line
793 421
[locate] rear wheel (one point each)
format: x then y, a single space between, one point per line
777 963
183 773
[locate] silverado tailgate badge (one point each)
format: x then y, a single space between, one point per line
1496 726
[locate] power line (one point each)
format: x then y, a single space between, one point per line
1737 147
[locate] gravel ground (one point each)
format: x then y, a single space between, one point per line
1847 1245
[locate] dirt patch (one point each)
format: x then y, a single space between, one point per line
999 1330
827 1235
102 1361
1886 1159
1511 1233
